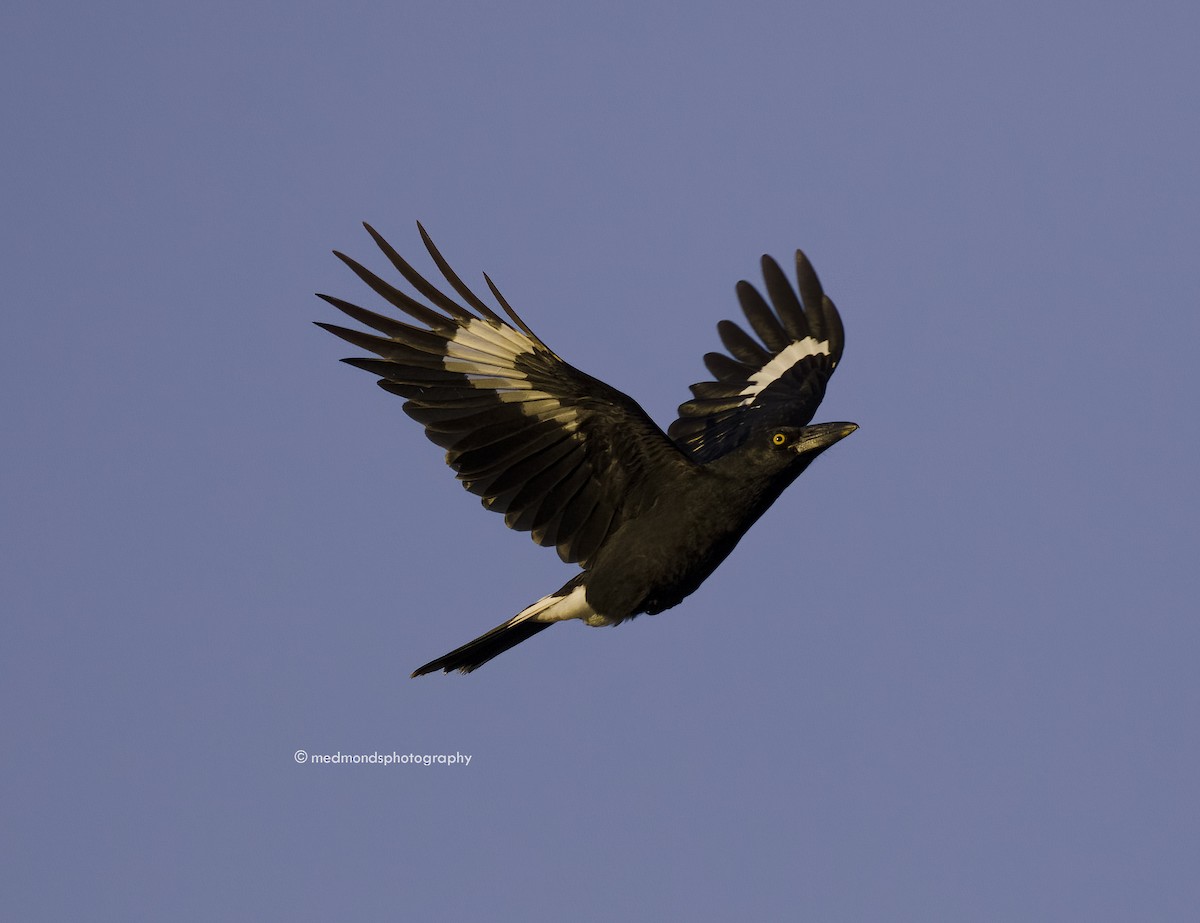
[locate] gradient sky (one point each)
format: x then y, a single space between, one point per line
952 675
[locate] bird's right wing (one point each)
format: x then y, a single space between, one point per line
559 453
778 382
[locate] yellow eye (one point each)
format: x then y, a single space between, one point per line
779 439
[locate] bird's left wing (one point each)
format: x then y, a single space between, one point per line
778 382
559 453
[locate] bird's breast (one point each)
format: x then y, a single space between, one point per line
657 560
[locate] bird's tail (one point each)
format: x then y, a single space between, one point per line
476 653
566 603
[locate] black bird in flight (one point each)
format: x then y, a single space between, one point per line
647 515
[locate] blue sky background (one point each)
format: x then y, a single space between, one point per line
952 675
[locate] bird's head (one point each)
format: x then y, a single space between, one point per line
793 448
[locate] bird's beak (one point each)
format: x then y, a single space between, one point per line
822 436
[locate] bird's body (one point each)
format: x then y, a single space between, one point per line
647 515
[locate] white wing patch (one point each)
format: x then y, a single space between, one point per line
487 353
487 344
772 371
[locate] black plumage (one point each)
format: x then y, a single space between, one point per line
647 515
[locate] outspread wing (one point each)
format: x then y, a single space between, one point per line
559 453
778 382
